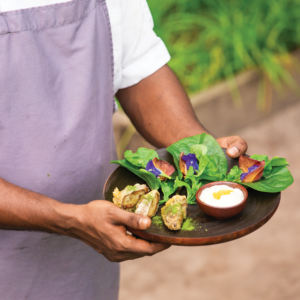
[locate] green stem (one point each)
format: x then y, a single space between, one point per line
164 175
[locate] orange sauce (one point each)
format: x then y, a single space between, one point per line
217 195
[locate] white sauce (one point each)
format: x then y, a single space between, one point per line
232 199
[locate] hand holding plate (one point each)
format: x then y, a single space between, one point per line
102 225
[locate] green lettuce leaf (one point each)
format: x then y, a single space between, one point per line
198 150
207 164
141 157
268 166
151 180
190 177
276 181
195 184
279 162
214 151
190 193
234 175
208 169
168 188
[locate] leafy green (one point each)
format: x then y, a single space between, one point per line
276 181
268 166
210 169
137 162
168 188
195 184
234 174
198 150
141 157
278 162
151 180
276 176
190 193
191 178
211 40
215 156
174 175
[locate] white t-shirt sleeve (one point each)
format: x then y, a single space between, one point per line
143 51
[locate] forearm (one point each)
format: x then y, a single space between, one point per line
21 209
160 109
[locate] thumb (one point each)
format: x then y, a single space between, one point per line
235 145
132 220
236 148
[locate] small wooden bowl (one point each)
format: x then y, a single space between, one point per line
222 213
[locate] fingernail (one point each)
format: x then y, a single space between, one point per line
144 223
233 151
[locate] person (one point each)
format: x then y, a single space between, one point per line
62 62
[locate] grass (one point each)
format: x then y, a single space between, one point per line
212 40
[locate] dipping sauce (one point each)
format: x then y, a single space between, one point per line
222 196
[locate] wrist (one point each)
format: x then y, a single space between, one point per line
67 218
190 131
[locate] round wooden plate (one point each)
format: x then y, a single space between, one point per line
259 209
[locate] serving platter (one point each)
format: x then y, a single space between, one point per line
200 228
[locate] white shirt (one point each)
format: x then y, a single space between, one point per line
138 52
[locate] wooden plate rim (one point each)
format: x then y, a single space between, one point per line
194 241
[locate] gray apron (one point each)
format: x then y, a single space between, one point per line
56 138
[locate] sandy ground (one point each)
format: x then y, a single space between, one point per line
263 265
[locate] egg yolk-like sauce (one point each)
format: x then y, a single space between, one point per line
217 195
222 196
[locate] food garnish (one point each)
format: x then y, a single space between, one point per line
188 225
220 193
252 169
160 168
200 159
187 161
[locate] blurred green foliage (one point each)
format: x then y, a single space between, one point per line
210 40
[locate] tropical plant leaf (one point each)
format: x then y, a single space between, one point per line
268 166
276 181
141 157
278 162
168 188
214 152
234 175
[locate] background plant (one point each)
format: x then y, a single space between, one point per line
213 40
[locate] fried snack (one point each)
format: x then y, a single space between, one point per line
174 212
180 200
148 204
128 198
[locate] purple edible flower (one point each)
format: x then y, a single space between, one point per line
160 168
151 168
187 161
251 169
191 161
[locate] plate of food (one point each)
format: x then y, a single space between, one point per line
170 185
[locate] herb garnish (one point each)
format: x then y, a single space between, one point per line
212 167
